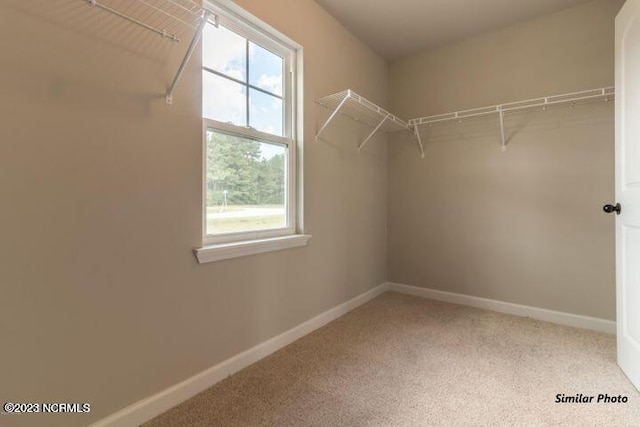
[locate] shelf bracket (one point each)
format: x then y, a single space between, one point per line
419 138
504 139
190 50
373 133
333 115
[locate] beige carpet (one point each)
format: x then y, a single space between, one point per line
406 361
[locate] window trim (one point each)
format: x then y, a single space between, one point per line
224 246
224 251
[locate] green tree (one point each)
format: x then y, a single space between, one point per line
231 167
234 165
271 180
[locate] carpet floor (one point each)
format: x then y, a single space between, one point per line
406 361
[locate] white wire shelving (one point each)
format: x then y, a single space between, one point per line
350 104
166 18
574 98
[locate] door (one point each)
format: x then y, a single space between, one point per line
628 189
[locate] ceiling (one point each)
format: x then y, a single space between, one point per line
396 28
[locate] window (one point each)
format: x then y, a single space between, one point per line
248 108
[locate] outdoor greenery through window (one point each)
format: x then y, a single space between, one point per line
246 184
249 148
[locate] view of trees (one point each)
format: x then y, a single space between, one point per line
235 165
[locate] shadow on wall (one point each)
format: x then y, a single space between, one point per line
344 135
81 57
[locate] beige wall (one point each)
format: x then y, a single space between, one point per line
523 226
102 299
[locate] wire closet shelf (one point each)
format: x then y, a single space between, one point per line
166 18
573 98
358 108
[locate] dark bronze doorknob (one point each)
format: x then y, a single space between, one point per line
611 208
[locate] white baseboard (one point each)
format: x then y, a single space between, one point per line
148 408
559 317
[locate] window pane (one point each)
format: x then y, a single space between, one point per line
246 184
265 112
225 52
223 99
265 69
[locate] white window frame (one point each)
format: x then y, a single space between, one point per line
223 246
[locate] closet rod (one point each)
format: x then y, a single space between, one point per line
572 98
163 33
605 94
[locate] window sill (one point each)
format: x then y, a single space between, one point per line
223 251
